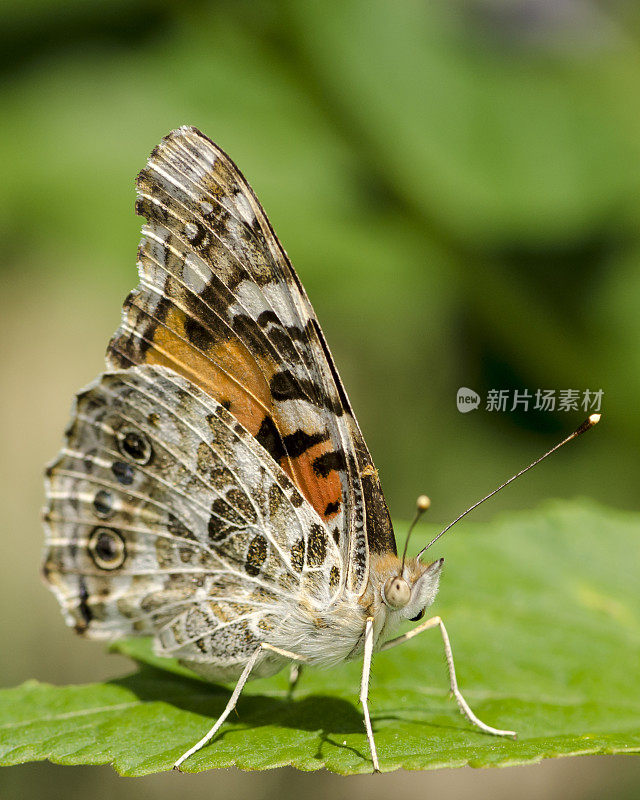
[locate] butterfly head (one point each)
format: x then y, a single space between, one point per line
408 590
408 587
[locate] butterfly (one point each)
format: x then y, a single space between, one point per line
214 490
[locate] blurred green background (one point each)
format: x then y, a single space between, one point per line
458 186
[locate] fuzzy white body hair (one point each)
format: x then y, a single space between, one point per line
323 637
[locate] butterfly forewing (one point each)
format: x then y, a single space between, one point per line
220 304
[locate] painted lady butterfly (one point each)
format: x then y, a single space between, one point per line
215 491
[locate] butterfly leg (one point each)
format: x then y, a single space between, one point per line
294 677
436 622
364 690
234 697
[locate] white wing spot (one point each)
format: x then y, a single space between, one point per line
244 207
191 231
195 273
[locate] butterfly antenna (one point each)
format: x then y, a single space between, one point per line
586 425
422 505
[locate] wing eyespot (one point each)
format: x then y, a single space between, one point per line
134 445
107 548
103 503
123 472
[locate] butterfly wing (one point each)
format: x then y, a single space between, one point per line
166 517
220 304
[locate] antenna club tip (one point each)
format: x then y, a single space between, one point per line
423 503
594 419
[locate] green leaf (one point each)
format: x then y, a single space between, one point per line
544 617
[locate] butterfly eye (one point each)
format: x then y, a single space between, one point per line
134 445
396 592
107 548
418 616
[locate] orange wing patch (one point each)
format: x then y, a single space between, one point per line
226 371
239 380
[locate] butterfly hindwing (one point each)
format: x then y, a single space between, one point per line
220 304
166 517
